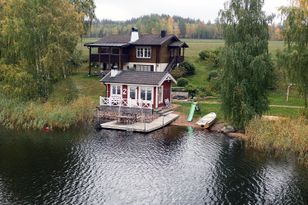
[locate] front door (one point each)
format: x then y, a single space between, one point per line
132 96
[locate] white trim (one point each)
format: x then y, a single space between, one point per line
162 94
143 49
152 93
168 76
134 102
111 90
156 102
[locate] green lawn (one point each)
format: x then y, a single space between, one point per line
78 85
206 108
280 99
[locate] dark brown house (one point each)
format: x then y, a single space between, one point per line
156 53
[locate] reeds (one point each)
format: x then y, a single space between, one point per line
34 115
279 137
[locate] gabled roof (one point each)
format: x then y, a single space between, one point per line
177 44
144 40
114 40
153 39
138 78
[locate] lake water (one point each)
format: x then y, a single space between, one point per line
175 165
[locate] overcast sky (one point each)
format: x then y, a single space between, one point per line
197 9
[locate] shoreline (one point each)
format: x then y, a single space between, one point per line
217 127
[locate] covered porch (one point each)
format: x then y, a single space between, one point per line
108 55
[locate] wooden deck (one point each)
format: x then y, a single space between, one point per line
156 124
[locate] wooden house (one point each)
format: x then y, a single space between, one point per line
137 68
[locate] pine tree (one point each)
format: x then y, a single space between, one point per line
247 66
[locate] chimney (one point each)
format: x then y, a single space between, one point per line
163 33
114 72
134 35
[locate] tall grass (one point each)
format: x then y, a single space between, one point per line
33 115
280 137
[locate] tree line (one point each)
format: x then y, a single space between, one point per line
182 27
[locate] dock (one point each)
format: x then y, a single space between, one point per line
156 124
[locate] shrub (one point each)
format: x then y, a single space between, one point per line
76 59
215 86
178 72
203 55
188 67
182 82
212 74
192 90
204 91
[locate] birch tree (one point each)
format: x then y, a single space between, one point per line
247 65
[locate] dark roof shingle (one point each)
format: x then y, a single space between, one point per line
124 40
152 39
113 40
135 77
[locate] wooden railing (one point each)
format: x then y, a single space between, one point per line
118 101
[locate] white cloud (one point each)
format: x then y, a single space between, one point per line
197 9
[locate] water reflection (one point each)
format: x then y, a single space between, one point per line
172 166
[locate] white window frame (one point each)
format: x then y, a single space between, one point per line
146 93
134 88
142 67
144 52
116 88
160 96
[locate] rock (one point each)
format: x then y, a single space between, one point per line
217 127
228 129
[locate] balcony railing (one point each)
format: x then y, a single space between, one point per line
104 57
118 101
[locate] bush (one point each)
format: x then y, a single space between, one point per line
182 82
189 68
203 55
212 74
215 86
192 90
178 72
76 59
204 91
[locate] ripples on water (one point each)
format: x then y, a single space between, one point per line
171 166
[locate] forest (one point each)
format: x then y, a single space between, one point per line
182 27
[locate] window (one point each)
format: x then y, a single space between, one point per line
146 94
160 94
116 90
132 93
143 52
104 50
115 51
147 68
